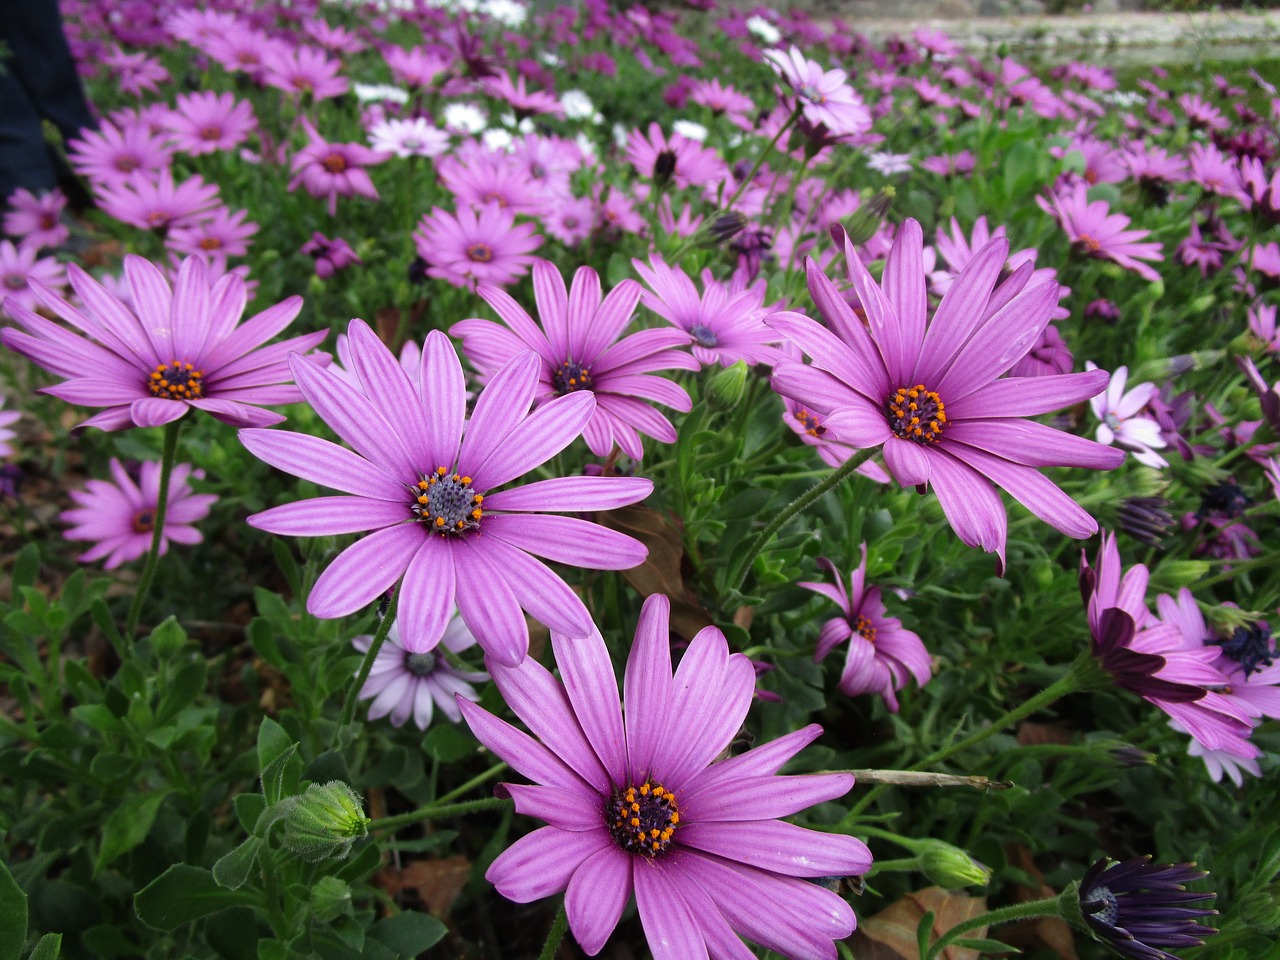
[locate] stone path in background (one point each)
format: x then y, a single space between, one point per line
1109 36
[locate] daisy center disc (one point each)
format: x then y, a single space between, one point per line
446 503
915 413
812 426
420 664
176 381
864 629
1102 904
570 377
479 253
335 163
703 335
1252 647
144 521
643 819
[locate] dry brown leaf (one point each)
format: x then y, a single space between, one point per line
891 933
1033 734
436 882
386 321
1052 933
663 570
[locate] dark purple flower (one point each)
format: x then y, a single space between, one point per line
1138 907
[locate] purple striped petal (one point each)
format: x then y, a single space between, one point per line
535 440
833 633
1034 444
1032 489
427 593
529 758
443 392
578 494
325 463
578 543
961 311
1028 396
761 761
552 805
329 516
971 505
553 306
592 689
523 330
780 847
251 334
548 599
830 353
364 571
903 282
1000 343
542 863
860 424
387 386
502 404
597 894
847 325
237 414
761 798
907 462
669 925
155 411
646 685
722 942
611 318
488 605
815 389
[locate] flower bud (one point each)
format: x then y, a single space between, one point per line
950 867
325 821
722 227
725 389
866 220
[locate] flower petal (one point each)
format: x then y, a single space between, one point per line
364 571
542 863
597 894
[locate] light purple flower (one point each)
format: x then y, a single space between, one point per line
882 653
1097 232
421 489
20 267
824 96
329 170
37 220
405 684
580 348
931 391
168 350
710 850
7 419
120 516
1122 421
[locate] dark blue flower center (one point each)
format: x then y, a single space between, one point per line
1101 904
703 335
915 413
176 381
812 426
1252 647
447 504
571 376
144 521
420 664
643 819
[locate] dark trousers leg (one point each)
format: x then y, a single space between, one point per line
41 60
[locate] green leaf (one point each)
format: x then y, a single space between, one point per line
13 906
48 948
186 686
249 807
447 744
984 945
273 740
274 779
233 869
923 932
101 615
408 933
26 566
128 826
233 934
184 893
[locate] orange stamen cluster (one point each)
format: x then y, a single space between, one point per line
643 819
864 628
447 504
915 413
570 377
334 163
810 422
479 253
176 381
1089 243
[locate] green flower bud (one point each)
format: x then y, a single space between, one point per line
725 389
1172 575
325 821
720 228
866 220
950 867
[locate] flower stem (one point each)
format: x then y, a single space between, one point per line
1049 907
439 812
799 504
475 781
379 637
1075 679
167 457
554 937
746 181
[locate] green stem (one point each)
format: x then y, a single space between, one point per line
905 865
751 174
171 431
798 505
439 812
555 935
1049 907
1076 678
379 637
475 781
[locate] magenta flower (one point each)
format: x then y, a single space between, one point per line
224 234
405 684
882 653
579 346
476 246
20 266
169 350
931 391
824 96
1097 232
330 255
110 154
725 323
120 517
415 67
524 102
206 122
422 490
304 70
639 805
37 220
156 202
1150 658
680 160
331 169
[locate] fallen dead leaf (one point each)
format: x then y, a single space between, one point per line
436 882
891 933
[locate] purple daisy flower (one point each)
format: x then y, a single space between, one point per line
120 516
1097 232
169 349
329 170
931 391
1138 907
579 346
421 489
21 268
405 684
476 246
640 805
37 220
883 654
